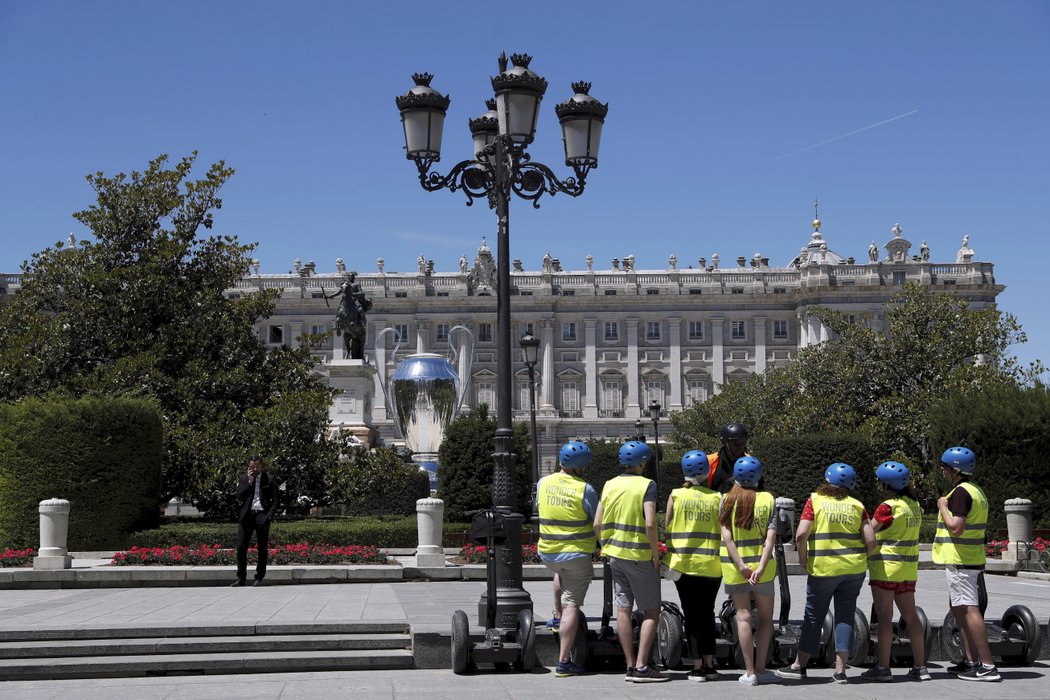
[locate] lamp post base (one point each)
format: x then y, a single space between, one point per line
511 597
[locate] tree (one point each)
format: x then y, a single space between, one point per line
140 310
465 465
879 384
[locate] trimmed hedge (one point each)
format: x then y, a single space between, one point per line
793 465
400 532
101 454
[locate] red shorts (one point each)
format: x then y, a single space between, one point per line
897 587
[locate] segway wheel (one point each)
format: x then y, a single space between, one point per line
858 654
669 639
951 640
460 643
580 645
927 636
1020 624
827 640
527 639
1044 560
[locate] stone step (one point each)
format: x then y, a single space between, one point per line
44 632
200 645
214 663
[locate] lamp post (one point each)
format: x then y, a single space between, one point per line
530 346
502 166
654 415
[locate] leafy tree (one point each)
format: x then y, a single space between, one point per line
466 468
878 383
140 310
373 482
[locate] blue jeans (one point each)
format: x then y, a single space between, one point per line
819 592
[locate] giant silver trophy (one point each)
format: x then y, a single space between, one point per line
423 397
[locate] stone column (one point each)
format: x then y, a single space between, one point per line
760 345
718 365
296 330
547 381
674 337
633 409
1018 525
464 363
590 367
379 361
54 532
429 518
421 336
803 331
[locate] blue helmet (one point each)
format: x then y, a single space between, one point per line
634 454
893 474
841 474
694 464
574 455
961 458
747 472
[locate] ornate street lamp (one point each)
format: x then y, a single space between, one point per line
501 166
530 346
654 415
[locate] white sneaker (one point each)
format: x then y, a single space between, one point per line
747 680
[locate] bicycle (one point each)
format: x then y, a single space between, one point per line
1032 558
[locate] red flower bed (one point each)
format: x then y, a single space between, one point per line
995 548
17 557
213 555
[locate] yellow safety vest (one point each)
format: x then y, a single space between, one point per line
967 550
623 518
693 536
836 545
897 556
564 524
750 542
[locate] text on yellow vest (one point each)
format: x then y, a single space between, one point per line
693 535
564 524
836 545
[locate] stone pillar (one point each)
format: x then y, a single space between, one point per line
633 408
430 514
421 336
590 367
544 403
760 345
718 365
674 337
803 331
1018 525
54 532
379 362
464 363
296 331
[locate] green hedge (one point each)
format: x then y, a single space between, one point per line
793 465
379 531
101 454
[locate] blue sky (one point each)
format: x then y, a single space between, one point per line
725 121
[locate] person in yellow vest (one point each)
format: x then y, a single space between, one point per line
567 505
734 446
749 531
833 540
625 524
893 569
692 533
959 545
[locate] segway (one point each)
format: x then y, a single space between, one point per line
900 648
600 648
1017 639
500 647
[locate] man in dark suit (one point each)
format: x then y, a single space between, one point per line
257 494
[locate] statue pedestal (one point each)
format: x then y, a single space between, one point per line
351 409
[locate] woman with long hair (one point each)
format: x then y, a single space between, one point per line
693 537
833 540
893 569
749 532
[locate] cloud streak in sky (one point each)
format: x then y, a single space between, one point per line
841 136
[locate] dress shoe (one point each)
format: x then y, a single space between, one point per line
238 582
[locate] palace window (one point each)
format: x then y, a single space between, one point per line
612 330
738 330
568 331
654 391
612 399
570 397
526 329
276 335
697 390
401 332
442 331
696 330
484 332
652 330
486 394
780 329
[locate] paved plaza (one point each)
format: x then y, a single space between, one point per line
428 607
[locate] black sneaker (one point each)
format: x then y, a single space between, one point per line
919 673
981 672
697 674
841 679
961 667
791 673
629 676
648 674
710 673
878 673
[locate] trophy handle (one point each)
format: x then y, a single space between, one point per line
455 361
381 371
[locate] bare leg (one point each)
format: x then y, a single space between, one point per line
969 652
646 635
978 635
557 596
765 630
841 659
906 604
884 609
567 632
742 602
623 631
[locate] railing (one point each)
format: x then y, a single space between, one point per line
446 282
571 280
11 279
654 279
527 280
849 271
571 414
610 413
610 280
